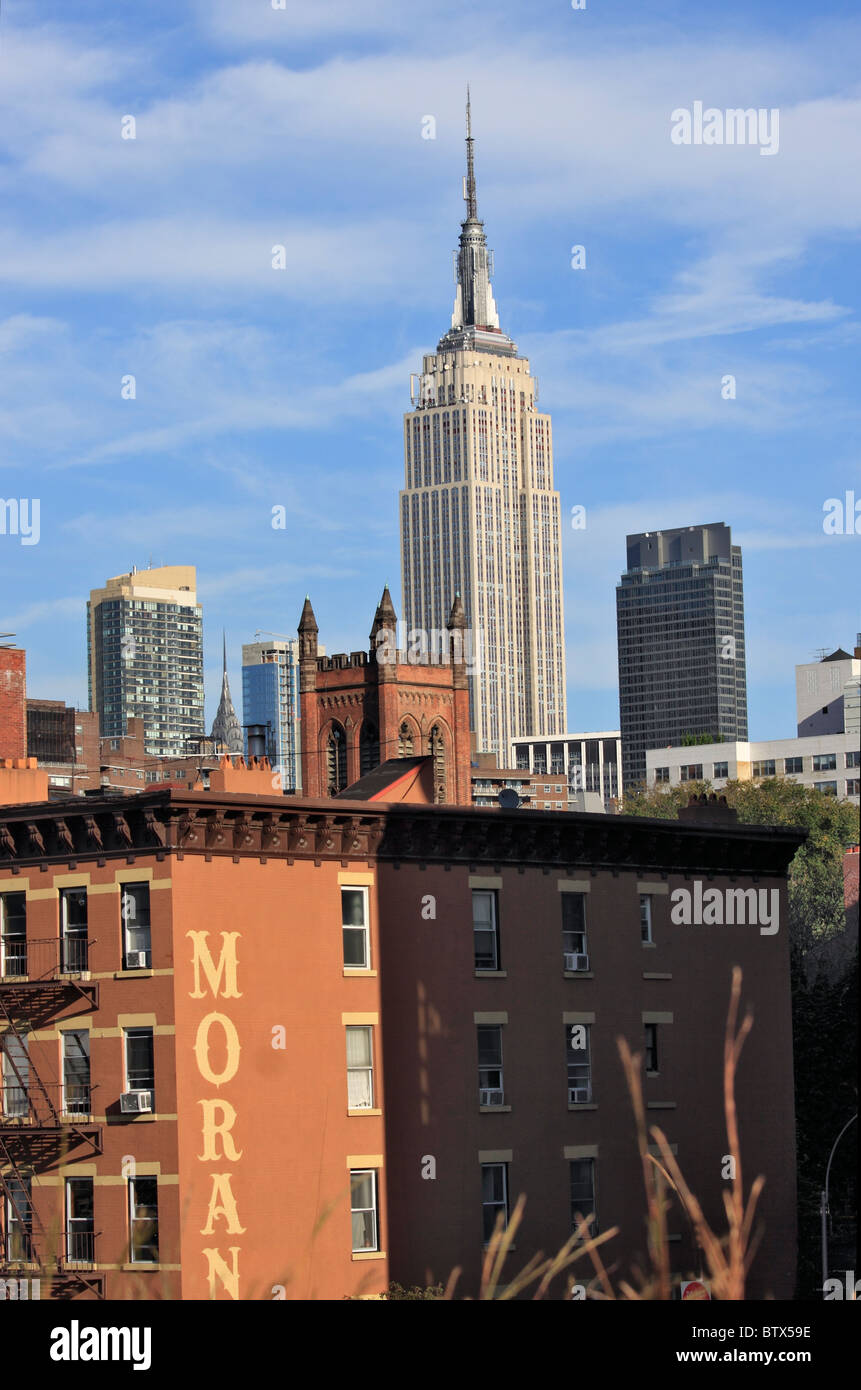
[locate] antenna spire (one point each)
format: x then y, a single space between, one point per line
469 187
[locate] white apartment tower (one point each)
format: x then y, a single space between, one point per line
479 513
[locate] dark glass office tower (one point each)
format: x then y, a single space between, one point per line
680 626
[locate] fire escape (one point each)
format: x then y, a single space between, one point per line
43 1122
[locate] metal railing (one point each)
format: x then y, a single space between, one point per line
45 958
41 1105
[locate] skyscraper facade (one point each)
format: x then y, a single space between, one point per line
479 514
680 625
145 656
270 705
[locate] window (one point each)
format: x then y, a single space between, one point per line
76 1072
485 929
354 919
793 764
852 785
143 1220
691 772
13 934
646 918
764 767
721 770
363 1209
134 910
336 760
574 955
490 1086
140 1070
651 1047
662 774
18 1214
494 1197
853 758
824 762
80 1230
578 1056
15 1076
73 920
360 1068
826 788
582 1181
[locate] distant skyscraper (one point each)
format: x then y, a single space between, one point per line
479 514
680 623
145 656
270 705
226 728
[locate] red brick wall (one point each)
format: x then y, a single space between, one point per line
13 705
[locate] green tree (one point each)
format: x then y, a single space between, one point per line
824 1003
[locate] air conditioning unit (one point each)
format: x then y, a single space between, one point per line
490 1097
136 1102
578 1095
575 960
136 960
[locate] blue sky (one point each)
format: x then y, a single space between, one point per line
258 388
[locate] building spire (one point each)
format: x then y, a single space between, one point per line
469 185
474 318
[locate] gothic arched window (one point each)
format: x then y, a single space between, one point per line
437 752
405 741
336 760
369 748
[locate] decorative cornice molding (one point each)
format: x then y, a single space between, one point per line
250 826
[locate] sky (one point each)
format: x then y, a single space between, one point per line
308 127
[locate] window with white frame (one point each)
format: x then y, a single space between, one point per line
363 1209
18 1214
360 1067
76 1071
13 934
356 937
579 1059
139 1059
574 955
490 1085
137 937
646 918
80 1228
15 1075
582 1187
494 1197
73 925
485 926
143 1220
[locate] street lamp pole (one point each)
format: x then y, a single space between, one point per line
823 1202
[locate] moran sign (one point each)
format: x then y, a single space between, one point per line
217 1052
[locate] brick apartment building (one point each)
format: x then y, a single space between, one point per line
257 1046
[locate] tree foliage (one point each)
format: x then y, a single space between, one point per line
824 1001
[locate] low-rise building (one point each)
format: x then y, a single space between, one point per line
258 1047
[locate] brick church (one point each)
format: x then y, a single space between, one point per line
381 711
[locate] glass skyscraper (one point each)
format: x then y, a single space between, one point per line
270 706
680 625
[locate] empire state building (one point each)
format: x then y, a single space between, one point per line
479 514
